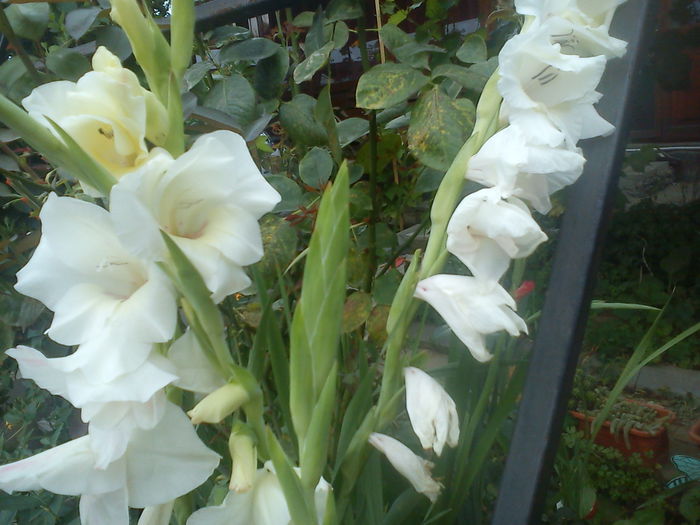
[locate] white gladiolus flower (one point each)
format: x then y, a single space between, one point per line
105 300
114 409
431 410
106 112
412 467
577 39
472 309
264 504
594 13
486 232
525 170
195 370
549 93
208 200
535 74
158 466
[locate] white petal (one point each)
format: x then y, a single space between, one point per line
158 515
132 203
195 370
105 285
108 508
80 388
107 356
431 410
415 469
471 308
486 232
224 167
167 461
65 469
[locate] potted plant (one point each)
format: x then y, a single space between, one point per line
631 426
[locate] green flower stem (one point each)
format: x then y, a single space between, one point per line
294 50
150 48
404 308
181 37
373 138
443 206
175 142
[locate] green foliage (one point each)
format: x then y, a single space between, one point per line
386 85
649 256
29 20
439 128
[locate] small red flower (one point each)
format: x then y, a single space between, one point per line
524 289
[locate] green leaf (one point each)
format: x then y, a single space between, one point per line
385 287
484 70
316 167
303 19
439 128
297 117
402 508
356 311
393 37
289 191
351 129
473 49
15 81
195 73
29 20
325 116
234 96
338 33
270 73
359 405
79 21
314 451
386 85
114 38
360 202
269 342
18 502
316 36
404 293
190 284
253 50
416 54
299 508
312 63
398 17
67 63
343 10
468 79
405 48
428 180
689 506
226 34
316 324
279 243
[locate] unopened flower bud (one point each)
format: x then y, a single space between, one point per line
219 404
244 456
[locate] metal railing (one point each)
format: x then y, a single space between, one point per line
560 332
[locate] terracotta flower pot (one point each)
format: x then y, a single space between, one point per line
694 432
640 441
